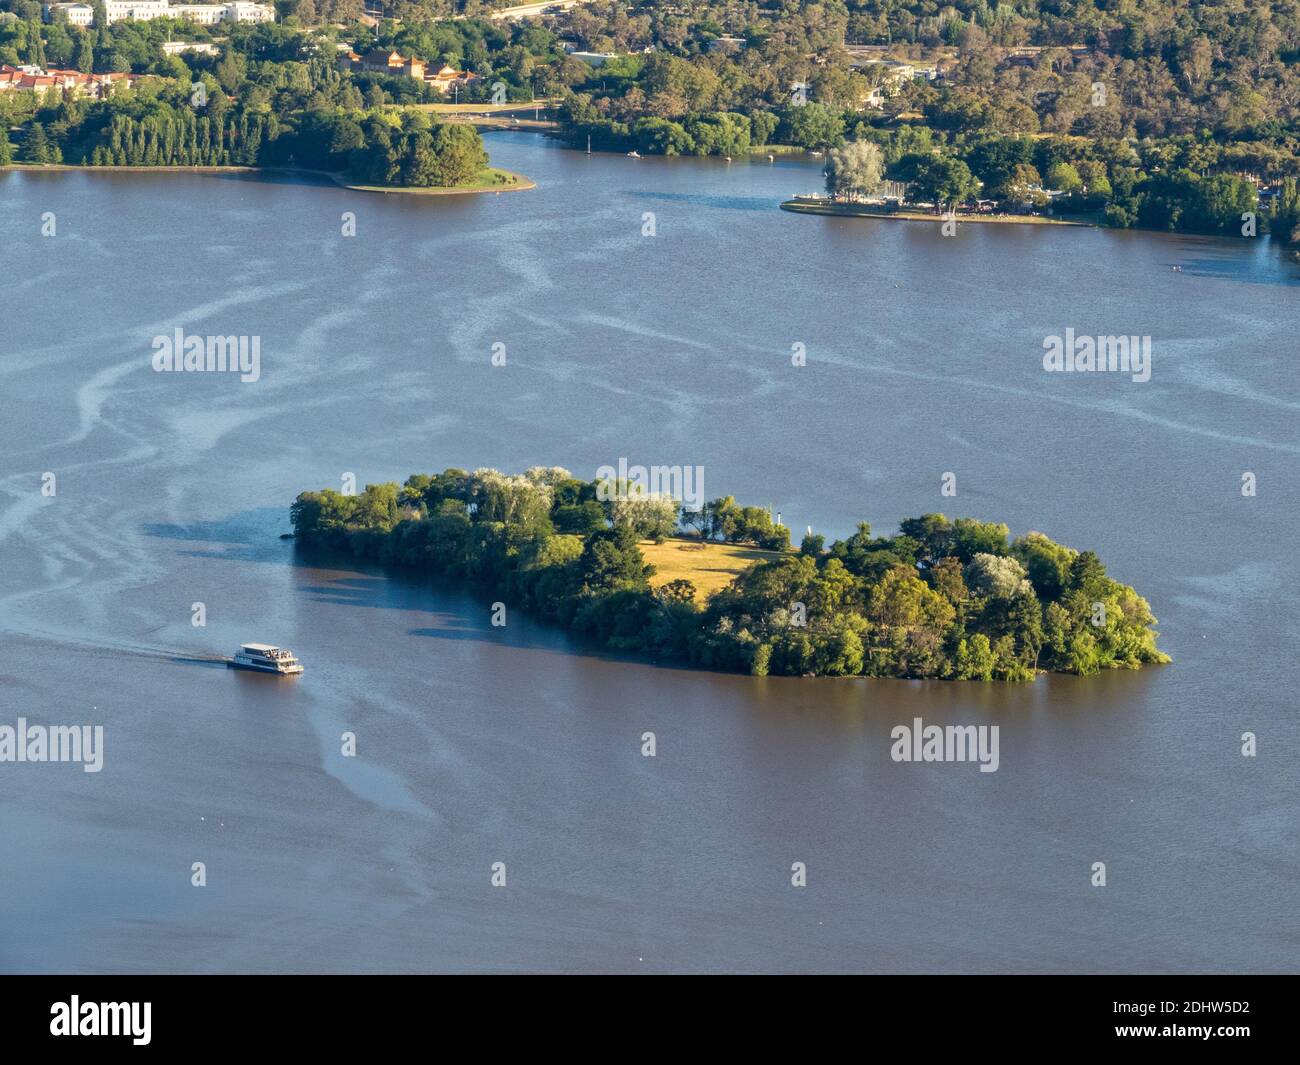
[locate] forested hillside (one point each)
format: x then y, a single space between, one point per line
1167 114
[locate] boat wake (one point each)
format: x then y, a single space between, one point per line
120 648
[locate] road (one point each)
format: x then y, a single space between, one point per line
374 13
533 10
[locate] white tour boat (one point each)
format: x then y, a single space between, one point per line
264 658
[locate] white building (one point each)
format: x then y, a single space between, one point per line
897 72
135 10
177 47
146 10
78 14
200 14
243 11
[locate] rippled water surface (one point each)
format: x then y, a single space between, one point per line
478 745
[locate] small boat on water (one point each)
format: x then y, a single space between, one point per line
263 658
634 154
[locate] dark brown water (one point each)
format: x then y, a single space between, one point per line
478 744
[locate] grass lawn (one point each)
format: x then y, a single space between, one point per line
494 178
709 566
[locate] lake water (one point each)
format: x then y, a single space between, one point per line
478 745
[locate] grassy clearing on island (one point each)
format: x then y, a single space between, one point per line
709 566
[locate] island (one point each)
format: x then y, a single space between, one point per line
720 586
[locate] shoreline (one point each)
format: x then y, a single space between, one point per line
849 210
319 551
520 183
795 205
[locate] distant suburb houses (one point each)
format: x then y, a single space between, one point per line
384 61
34 79
144 10
892 75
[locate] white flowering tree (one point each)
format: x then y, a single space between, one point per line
855 171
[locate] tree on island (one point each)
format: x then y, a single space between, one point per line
650 516
460 154
854 172
1023 185
944 182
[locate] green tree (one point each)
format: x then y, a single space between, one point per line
944 182
36 145
724 133
1023 185
812 125
974 659
35 44
611 560
85 54
460 154
230 70
661 136
812 544
420 167
1064 177
762 127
